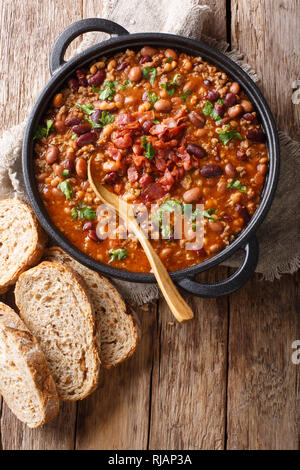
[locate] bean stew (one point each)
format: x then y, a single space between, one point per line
166 130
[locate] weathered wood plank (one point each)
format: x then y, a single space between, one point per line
268 33
189 376
263 401
25 44
116 415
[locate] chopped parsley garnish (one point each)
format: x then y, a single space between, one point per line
208 213
66 173
237 185
43 131
74 136
149 150
66 189
226 135
185 95
127 84
171 205
118 254
171 86
208 110
86 108
169 59
83 211
108 91
152 98
106 118
150 72
156 121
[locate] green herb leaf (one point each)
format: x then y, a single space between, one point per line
208 110
83 211
66 173
86 108
43 131
66 189
237 185
227 135
149 150
150 72
170 91
208 213
106 118
152 98
127 84
156 121
119 254
185 95
74 136
95 89
169 59
108 91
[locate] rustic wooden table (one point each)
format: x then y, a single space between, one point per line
225 380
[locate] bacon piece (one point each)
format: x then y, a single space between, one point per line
152 192
132 174
123 142
158 129
124 119
160 164
167 180
114 153
145 179
139 160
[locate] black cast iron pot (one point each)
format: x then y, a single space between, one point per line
119 41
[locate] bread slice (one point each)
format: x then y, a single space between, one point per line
22 241
25 381
117 327
55 307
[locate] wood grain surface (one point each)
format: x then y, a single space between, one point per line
226 380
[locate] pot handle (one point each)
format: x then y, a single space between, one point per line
234 282
76 29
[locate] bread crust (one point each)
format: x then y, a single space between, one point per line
58 254
49 265
36 363
38 242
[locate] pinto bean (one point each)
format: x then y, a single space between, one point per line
216 226
135 73
189 86
163 106
59 126
230 170
148 51
58 100
234 88
196 150
81 168
234 111
58 169
192 194
196 119
262 168
165 252
247 106
51 154
211 171
171 53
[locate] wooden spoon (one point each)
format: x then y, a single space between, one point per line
177 305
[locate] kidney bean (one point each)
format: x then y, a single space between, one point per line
51 154
148 51
73 83
163 106
248 117
241 155
243 212
229 100
86 139
213 95
111 177
96 116
234 111
81 168
255 135
220 109
87 226
122 66
192 194
211 171
69 165
201 252
171 53
93 236
196 119
147 125
196 150
145 59
247 106
82 129
207 82
230 170
97 78
223 121
235 88
69 122
135 73
165 252
81 77
216 226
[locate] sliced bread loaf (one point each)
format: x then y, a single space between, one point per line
25 381
117 327
55 307
22 241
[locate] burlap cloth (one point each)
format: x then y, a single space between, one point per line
279 234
